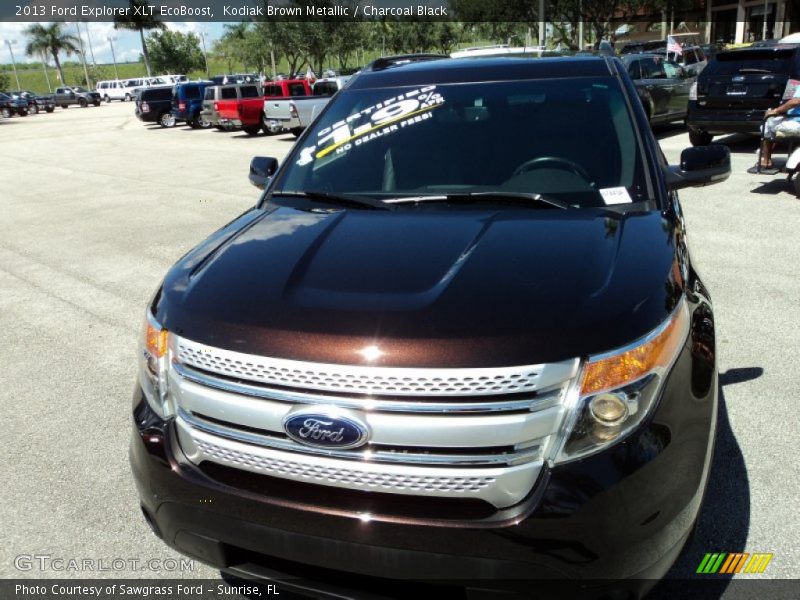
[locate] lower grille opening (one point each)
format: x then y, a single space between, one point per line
325 579
355 501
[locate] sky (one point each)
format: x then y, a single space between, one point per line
127 47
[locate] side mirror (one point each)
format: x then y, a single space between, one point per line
699 166
690 72
262 168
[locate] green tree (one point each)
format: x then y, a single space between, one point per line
174 52
5 81
51 39
141 23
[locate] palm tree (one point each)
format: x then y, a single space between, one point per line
139 19
51 39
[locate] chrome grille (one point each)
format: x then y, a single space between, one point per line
387 381
478 433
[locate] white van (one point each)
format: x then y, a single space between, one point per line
111 90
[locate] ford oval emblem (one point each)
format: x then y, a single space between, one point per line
737 78
325 429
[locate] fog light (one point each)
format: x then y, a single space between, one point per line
609 409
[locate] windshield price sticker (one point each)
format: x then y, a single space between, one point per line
615 195
375 121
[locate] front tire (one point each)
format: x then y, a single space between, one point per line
167 120
127 98
65 106
700 138
97 102
33 109
50 109
22 112
296 131
252 129
83 103
6 113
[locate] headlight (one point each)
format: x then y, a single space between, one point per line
154 365
618 389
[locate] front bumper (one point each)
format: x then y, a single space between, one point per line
623 514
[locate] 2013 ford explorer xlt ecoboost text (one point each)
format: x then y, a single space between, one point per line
460 337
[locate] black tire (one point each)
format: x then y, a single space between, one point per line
167 120
199 122
252 129
22 112
50 109
127 98
796 184
65 106
296 131
83 103
700 138
107 99
33 109
6 112
97 102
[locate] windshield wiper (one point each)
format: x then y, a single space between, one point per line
516 197
355 201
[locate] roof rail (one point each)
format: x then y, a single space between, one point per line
379 64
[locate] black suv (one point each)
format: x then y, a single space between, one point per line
10 105
453 340
154 105
737 87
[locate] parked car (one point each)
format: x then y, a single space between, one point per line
663 86
37 102
154 105
691 58
296 113
277 110
65 96
239 107
434 350
737 87
208 113
121 90
10 106
187 103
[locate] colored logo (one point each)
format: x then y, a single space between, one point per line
325 430
723 563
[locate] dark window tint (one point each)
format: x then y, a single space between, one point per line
272 90
325 88
249 91
228 93
192 92
157 94
209 95
743 61
689 57
634 71
652 68
297 89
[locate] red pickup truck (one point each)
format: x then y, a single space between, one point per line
242 105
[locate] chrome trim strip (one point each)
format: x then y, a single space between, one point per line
541 401
372 380
515 458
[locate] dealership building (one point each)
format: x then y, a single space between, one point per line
740 21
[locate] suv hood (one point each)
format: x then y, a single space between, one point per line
435 288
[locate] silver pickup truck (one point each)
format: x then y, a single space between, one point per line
296 113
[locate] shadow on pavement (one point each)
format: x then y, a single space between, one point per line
668 130
724 520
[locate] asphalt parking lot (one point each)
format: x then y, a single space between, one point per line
95 206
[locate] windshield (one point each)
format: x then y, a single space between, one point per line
570 139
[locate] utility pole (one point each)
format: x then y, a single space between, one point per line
764 29
89 37
83 55
205 54
580 27
13 61
111 41
272 60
